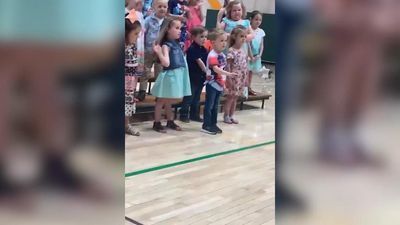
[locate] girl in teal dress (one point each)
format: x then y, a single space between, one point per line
257 46
174 82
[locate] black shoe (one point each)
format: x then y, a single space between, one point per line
172 125
217 129
198 119
185 120
142 95
158 127
208 130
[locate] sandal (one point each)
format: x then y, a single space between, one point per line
132 131
158 127
234 121
171 124
227 120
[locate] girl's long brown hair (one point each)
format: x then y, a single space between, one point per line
129 27
163 36
235 32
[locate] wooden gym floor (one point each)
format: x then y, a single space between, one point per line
180 177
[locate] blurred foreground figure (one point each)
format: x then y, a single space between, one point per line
41 42
356 33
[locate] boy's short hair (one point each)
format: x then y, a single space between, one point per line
159 1
197 30
215 33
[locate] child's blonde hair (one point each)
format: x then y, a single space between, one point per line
192 2
159 1
215 33
230 6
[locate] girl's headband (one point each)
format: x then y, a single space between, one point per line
132 16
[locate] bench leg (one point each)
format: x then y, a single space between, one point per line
176 112
149 88
241 105
262 104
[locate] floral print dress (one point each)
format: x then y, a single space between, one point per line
237 63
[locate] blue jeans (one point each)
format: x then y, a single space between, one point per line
191 102
211 106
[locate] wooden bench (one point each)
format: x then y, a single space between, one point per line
147 106
151 80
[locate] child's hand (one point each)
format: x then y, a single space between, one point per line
208 77
185 8
157 48
149 12
233 74
135 100
182 18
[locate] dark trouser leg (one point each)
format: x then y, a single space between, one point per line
195 106
208 108
184 111
214 113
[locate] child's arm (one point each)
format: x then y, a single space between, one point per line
250 34
229 65
219 17
162 53
223 72
201 13
200 63
261 48
250 52
181 18
249 37
222 26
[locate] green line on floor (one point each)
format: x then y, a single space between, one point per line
134 173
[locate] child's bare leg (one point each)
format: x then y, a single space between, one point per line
227 105
126 122
250 78
170 116
233 106
168 110
227 109
233 109
158 109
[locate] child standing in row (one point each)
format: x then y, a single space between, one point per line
195 18
178 10
196 59
152 26
132 72
222 13
216 62
257 46
173 83
237 63
235 12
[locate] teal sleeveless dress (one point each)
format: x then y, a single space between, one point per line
173 81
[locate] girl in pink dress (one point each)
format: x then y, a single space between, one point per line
195 18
